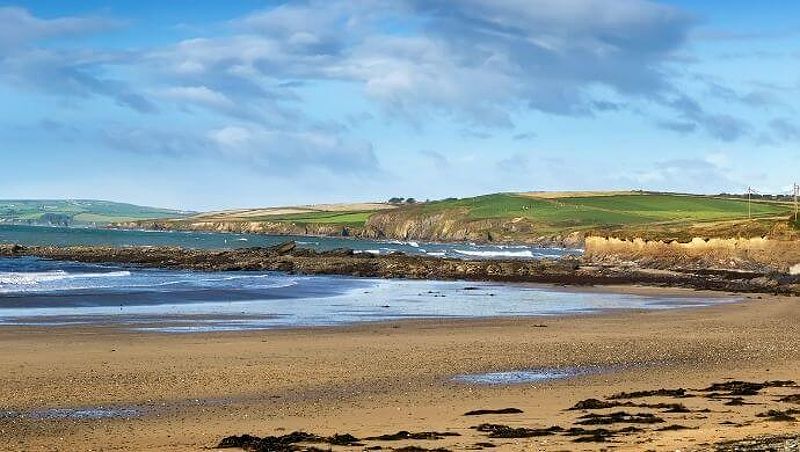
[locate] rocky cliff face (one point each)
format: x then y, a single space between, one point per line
241 227
451 226
455 226
751 254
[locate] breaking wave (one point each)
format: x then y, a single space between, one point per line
34 278
499 253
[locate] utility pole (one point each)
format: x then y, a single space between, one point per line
796 193
749 215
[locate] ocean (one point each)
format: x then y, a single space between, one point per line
39 292
61 236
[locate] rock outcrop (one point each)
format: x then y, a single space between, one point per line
391 225
288 258
749 254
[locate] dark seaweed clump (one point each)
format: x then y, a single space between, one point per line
500 411
619 417
780 415
794 398
597 435
680 392
596 404
745 388
673 427
285 443
402 435
505 431
420 449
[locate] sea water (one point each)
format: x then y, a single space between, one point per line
61 236
52 293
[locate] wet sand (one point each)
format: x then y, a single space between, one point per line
189 391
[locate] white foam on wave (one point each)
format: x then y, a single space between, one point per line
33 278
400 242
276 282
367 252
502 253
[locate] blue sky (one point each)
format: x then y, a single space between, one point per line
209 104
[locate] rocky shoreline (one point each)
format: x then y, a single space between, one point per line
289 258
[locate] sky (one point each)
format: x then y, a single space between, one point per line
208 105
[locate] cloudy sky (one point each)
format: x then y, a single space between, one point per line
211 104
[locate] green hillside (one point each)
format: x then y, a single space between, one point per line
347 218
525 216
78 212
505 217
606 210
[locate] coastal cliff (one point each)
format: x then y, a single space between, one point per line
243 227
392 225
549 219
741 253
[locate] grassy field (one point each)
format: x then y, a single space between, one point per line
593 211
551 213
357 218
77 212
635 214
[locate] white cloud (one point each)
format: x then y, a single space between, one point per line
232 138
478 63
199 95
476 60
20 27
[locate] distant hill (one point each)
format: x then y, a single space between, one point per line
353 214
78 212
512 217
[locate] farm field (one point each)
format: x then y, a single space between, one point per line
606 210
78 212
528 215
503 216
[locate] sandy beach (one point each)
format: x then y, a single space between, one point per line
188 391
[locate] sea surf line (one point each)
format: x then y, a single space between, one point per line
48 293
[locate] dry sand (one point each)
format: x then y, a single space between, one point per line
374 379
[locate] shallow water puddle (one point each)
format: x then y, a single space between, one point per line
91 413
524 376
